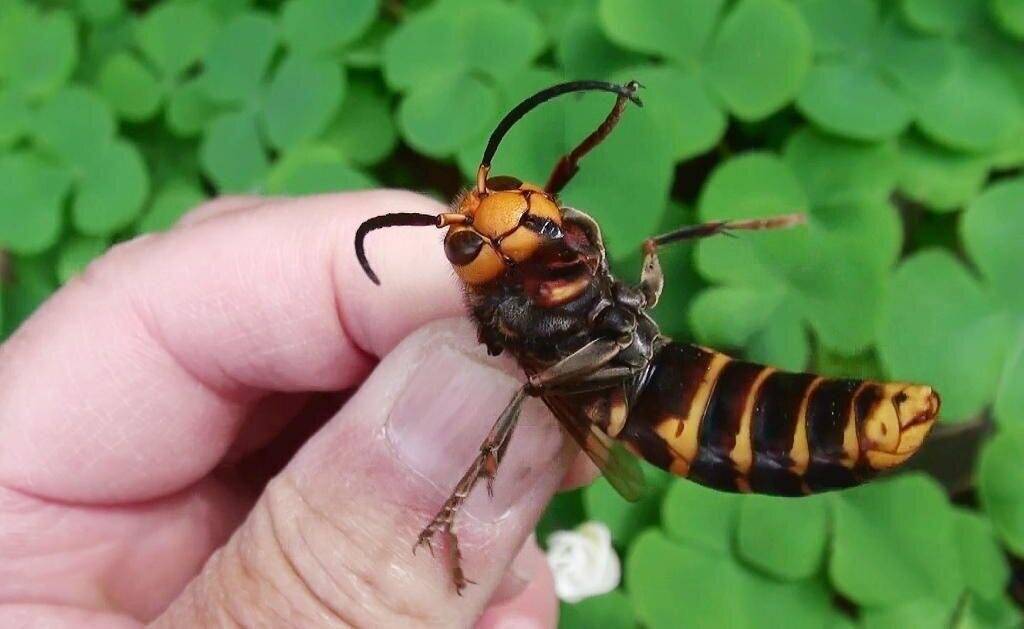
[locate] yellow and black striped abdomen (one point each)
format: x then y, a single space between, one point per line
740 426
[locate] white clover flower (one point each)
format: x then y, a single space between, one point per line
583 562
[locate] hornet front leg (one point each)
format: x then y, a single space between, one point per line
588 366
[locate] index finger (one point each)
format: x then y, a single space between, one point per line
133 379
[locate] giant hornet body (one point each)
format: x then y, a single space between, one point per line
537 285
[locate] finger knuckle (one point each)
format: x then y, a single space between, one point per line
324 569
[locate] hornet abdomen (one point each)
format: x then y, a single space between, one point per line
739 426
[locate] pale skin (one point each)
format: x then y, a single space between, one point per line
145 407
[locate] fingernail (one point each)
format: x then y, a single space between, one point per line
443 415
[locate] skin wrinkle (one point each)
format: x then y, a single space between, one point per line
277 542
231 393
257 576
375 590
397 607
225 607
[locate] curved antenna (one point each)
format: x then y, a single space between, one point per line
511 118
397 219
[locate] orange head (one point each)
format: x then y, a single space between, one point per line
493 230
502 221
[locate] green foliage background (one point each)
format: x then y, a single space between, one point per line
898 125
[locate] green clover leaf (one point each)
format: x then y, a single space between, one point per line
489 37
584 51
175 35
450 91
612 610
130 88
992 230
1001 484
295 101
33 282
826 274
73 124
313 170
38 51
669 581
440 116
363 128
673 90
679 30
189 109
869 73
232 152
75 255
626 520
31 202
977 108
852 101
169 203
97 11
15 118
749 60
301 98
317 26
423 46
840 27
366 53
941 179
980 358
982 561
932 296
833 171
759 57
1010 16
237 62
895 541
942 17
918 612
781 537
112 190
714 530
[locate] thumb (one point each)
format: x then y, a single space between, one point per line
330 541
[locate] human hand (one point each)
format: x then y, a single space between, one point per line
146 405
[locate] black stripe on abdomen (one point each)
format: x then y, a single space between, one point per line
828 412
677 372
773 425
721 423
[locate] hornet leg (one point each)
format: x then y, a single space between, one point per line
576 368
652 280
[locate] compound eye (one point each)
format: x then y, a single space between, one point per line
462 246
